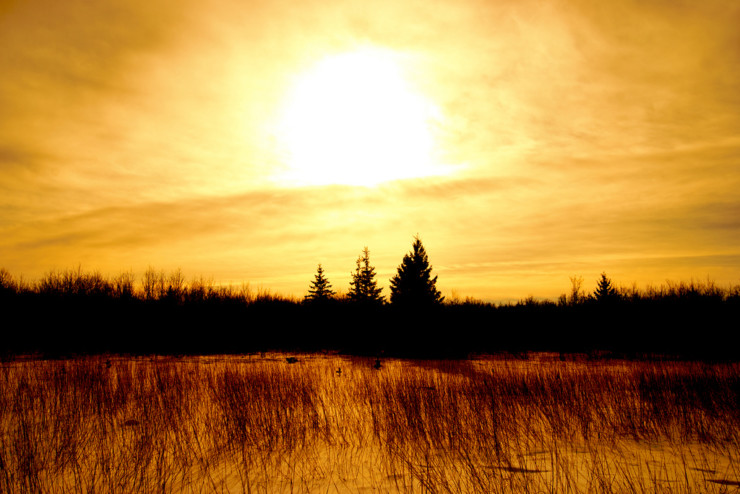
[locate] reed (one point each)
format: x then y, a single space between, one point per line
340 424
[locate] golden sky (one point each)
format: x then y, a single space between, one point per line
524 141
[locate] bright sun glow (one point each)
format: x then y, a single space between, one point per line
354 119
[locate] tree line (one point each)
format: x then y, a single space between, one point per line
80 312
413 285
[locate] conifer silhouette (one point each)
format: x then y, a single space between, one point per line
413 285
363 286
605 292
320 289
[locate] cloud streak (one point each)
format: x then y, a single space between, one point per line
583 137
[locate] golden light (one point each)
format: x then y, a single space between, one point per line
355 119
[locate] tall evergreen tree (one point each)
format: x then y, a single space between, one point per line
413 285
605 292
320 289
363 286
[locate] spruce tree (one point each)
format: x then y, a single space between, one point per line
413 285
320 290
605 292
363 286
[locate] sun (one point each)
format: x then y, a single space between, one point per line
355 119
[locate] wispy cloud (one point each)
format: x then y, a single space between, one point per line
584 136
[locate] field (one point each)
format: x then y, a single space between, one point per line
331 423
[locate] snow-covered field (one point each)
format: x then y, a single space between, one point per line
329 423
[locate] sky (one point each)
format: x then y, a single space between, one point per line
525 142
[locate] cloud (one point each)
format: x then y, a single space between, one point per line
586 136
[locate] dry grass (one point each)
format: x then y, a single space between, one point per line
260 424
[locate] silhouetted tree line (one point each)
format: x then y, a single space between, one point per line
72 312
